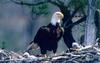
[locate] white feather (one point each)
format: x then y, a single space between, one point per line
55 19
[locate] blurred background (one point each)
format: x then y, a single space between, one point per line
19 23
17 26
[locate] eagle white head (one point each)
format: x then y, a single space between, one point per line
56 18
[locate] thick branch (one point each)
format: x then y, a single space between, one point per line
72 15
75 11
77 22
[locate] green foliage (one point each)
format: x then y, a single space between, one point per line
78 3
44 8
40 9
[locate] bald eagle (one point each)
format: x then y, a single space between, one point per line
47 37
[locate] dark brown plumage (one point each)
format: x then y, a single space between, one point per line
47 37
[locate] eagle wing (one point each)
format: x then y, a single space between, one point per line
41 34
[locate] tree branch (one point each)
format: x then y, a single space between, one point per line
80 20
54 3
77 22
72 15
60 2
76 10
29 4
35 4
